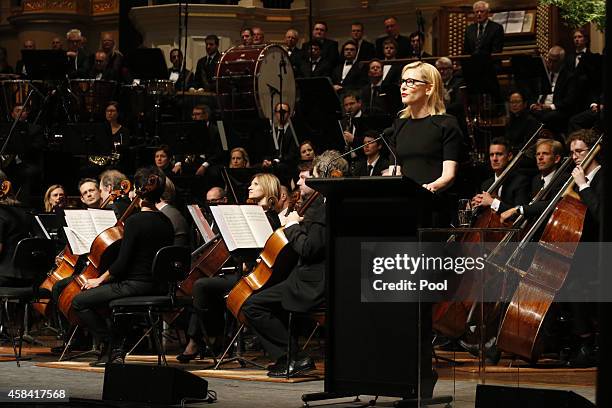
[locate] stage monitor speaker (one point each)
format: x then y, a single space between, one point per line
151 384
495 396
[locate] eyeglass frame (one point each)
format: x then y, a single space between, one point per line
414 82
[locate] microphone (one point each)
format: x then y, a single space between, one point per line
357 148
386 133
283 64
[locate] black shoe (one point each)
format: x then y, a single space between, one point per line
117 356
492 354
185 358
296 367
280 364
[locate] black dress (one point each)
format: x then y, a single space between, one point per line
421 145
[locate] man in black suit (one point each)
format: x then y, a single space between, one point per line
417 41
353 129
315 65
515 188
378 98
179 74
548 158
295 53
304 288
392 73
348 74
207 65
373 163
78 60
281 151
365 49
329 48
483 37
393 31
556 108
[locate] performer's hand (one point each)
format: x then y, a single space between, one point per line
92 283
348 137
337 88
536 107
431 187
177 169
476 200
294 217
71 54
508 214
486 199
200 171
579 177
266 163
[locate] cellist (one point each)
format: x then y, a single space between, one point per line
130 275
208 293
304 288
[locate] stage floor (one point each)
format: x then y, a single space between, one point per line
249 388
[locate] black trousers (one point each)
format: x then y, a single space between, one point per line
209 305
267 318
86 303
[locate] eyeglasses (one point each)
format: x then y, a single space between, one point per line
411 82
579 152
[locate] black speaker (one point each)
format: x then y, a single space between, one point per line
496 396
152 384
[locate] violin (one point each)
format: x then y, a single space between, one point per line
66 260
104 250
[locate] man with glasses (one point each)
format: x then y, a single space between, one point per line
78 61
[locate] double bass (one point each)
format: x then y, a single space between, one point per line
452 318
67 260
104 250
521 332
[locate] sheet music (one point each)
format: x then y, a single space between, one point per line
233 226
78 244
102 219
201 222
501 18
515 21
258 221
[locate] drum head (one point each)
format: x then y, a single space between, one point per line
273 63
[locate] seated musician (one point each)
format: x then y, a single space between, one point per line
548 157
54 199
515 188
209 293
110 180
304 289
281 153
89 190
15 224
166 206
130 274
373 164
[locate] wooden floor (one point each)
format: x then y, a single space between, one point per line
466 368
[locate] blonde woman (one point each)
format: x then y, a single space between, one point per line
55 197
239 158
265 192
425 139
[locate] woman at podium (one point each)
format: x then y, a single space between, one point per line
425 139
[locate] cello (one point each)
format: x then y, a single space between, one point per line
520 332
67 260
104 250
273 264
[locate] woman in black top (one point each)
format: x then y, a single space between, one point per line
130 275
15 224
426 140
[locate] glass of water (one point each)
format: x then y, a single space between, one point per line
464 212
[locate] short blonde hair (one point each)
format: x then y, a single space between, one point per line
430 74
244 153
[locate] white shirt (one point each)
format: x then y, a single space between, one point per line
346 69
590 178
496 202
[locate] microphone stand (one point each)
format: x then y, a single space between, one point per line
381 137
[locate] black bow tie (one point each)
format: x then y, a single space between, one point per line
348 62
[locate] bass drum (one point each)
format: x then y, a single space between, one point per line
249 80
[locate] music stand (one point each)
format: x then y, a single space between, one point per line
20 139
479 74
45 64
147 63
321 108
86 139
240 179
186 137
530 73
